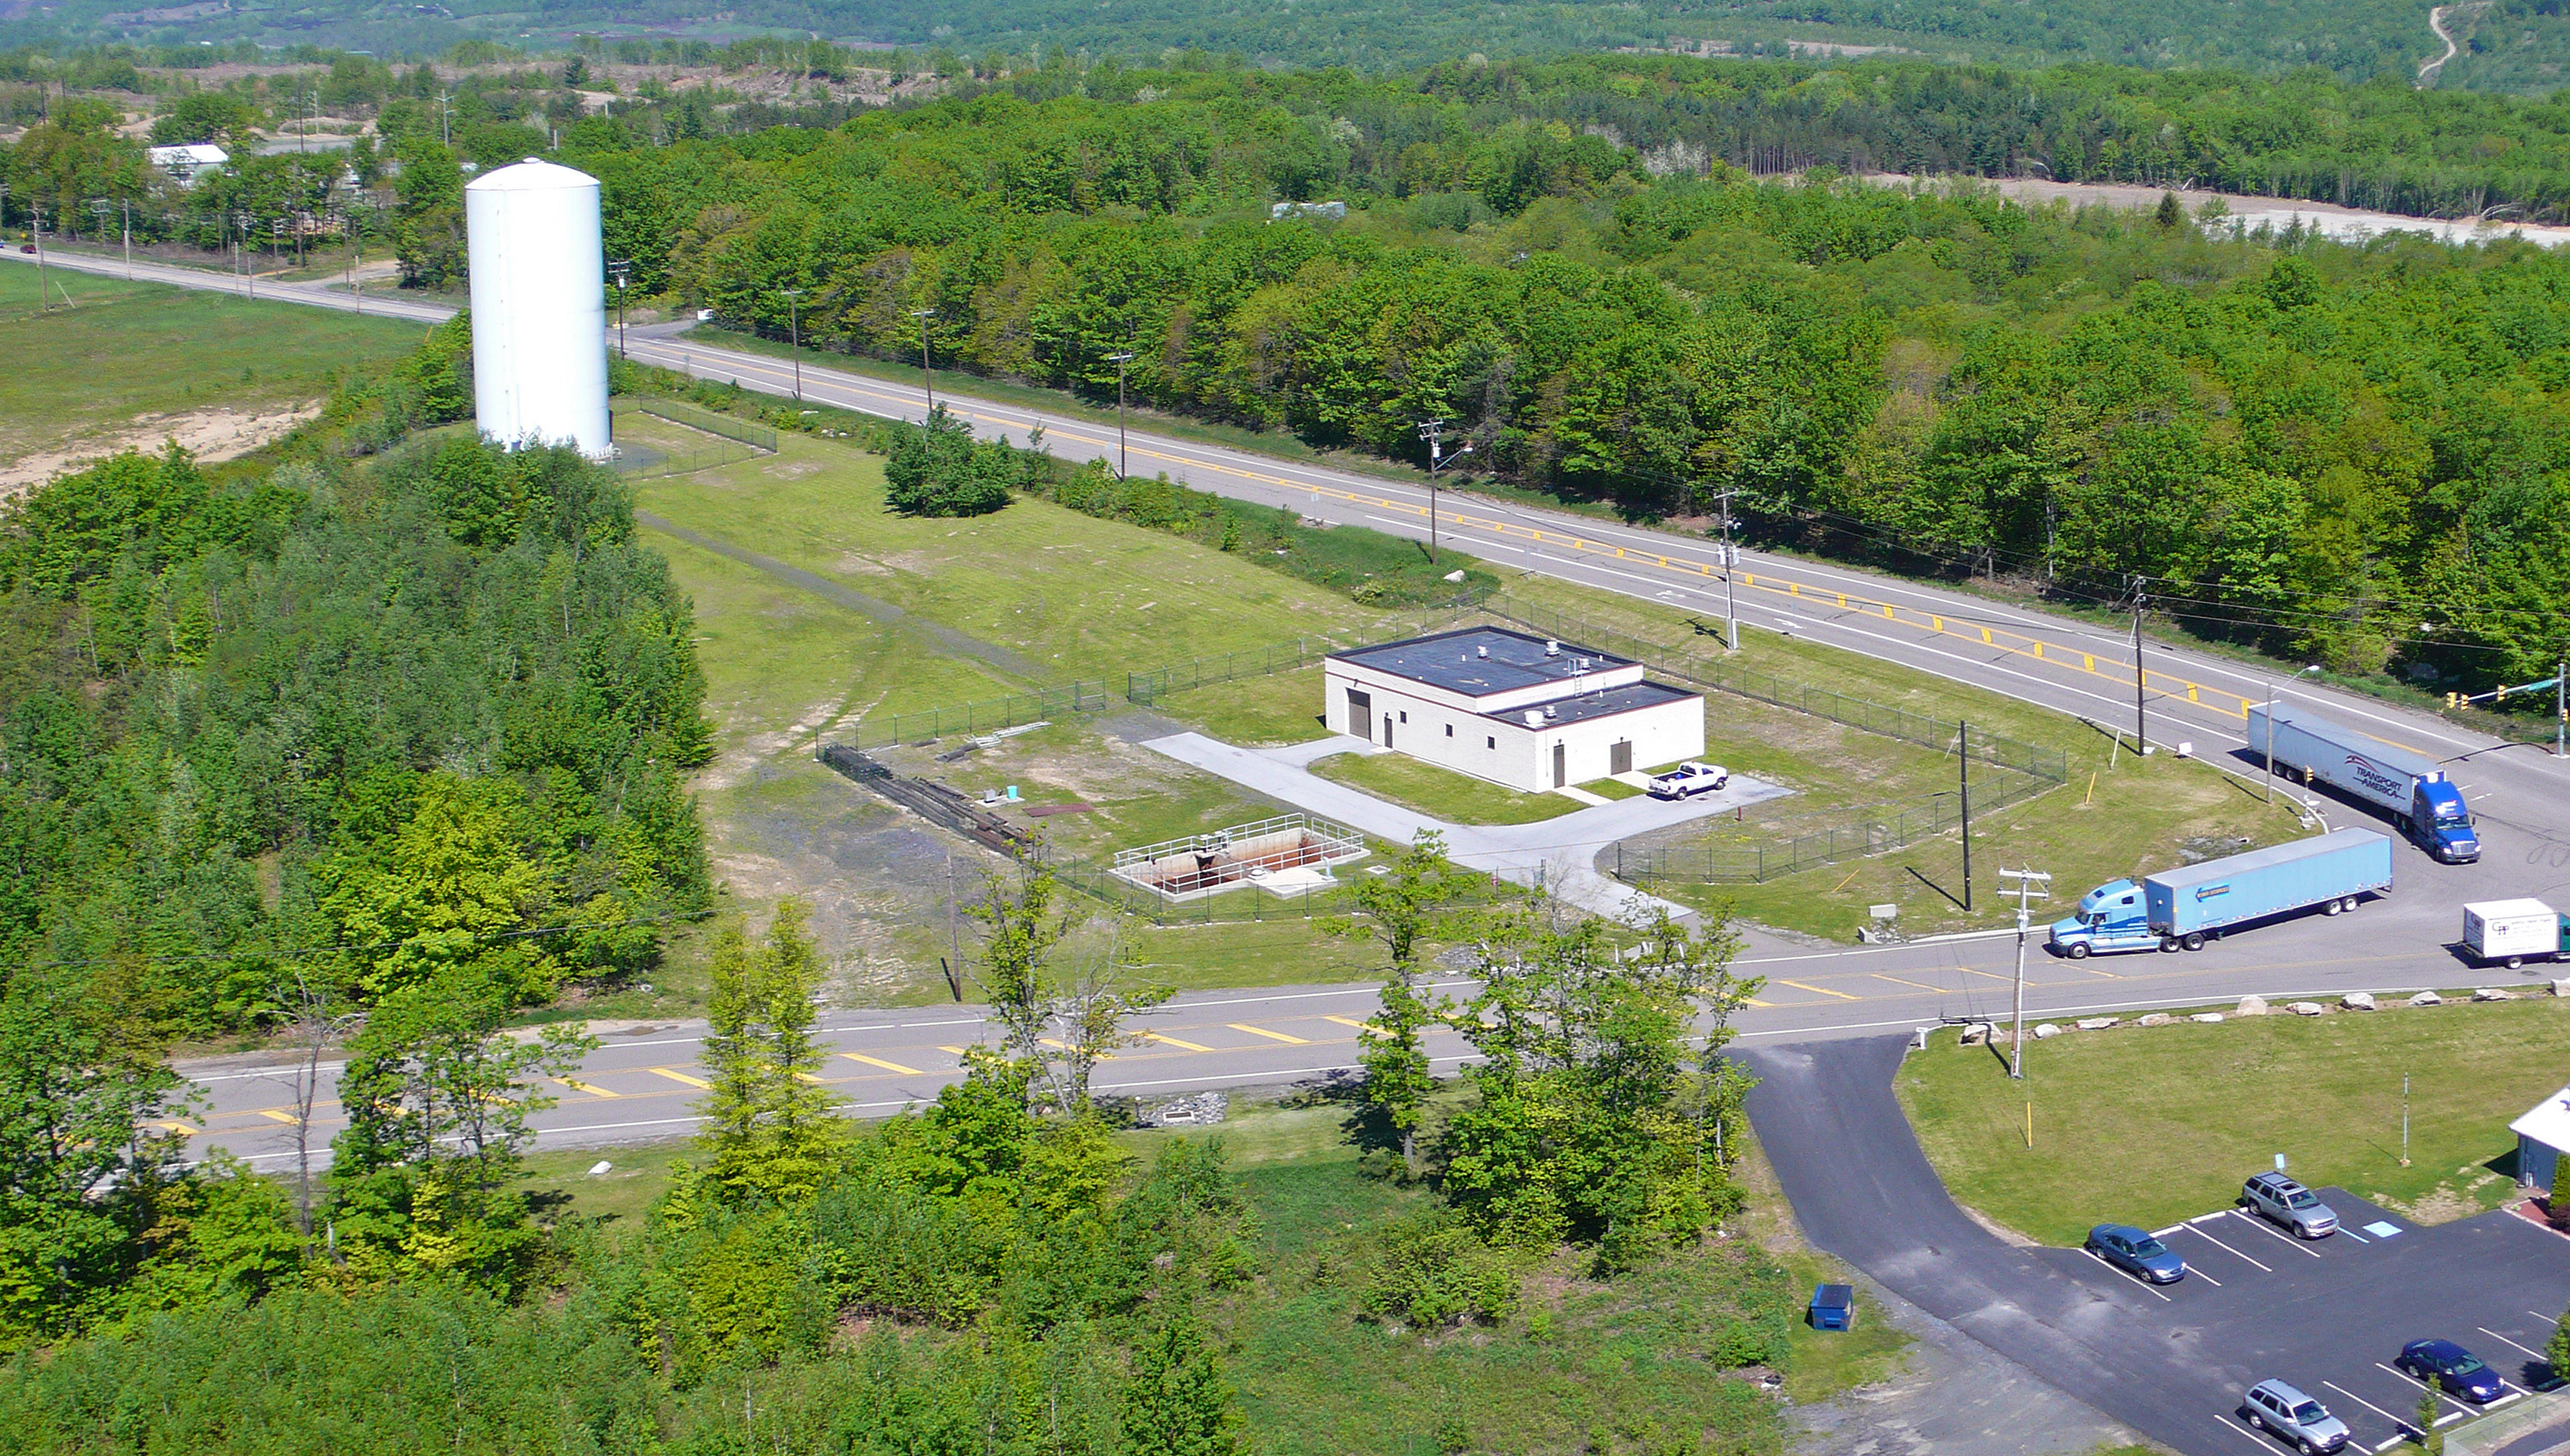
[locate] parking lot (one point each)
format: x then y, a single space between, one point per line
2330 1315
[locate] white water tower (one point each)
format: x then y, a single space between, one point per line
538 307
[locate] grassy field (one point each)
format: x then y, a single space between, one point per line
1453 797
1586 1366
121 355
2152 1126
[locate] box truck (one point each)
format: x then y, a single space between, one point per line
2182 908
2512 932
2409 786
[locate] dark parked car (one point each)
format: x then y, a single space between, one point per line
2136 1253
2454 1367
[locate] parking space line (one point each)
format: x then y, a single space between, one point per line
2253 1221
2343 1232
2421 1384
2260 1437
2398 1423
2092 1253
2542 1318
2195 1272
2494 1335
2217 1244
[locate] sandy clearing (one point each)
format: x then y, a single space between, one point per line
210 435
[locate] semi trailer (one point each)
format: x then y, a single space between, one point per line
2183 908
2422 802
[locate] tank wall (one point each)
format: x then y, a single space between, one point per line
539 316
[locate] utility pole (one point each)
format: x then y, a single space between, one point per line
128 205
2560 707
2141 725
1433 431
2270 756
1730 569
925 373
36 230
620 270
2026 891
1964 786
794 335
445 128
100 208
1120 361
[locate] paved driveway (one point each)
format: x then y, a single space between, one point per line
2173 1364
1562 851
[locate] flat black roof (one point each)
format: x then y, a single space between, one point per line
1607 704
1456 662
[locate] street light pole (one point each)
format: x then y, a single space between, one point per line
1963 786
1433 431
927 375
2026 880
2141 722
620 268
1730 569
1120 361
794 335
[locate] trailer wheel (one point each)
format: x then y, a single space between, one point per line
2353 902
2334 907
2193 940
2076 950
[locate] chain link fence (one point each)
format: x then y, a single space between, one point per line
1873 830
989 715
1195 672
729 441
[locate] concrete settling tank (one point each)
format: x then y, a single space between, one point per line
538 307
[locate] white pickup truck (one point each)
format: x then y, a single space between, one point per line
1688 780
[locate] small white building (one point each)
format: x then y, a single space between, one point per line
1514 709
184 163
2542 1140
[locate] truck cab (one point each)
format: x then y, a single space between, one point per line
2111 918
2441 823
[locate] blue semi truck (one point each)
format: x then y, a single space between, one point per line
2409 786
2182 908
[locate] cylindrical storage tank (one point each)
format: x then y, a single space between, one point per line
538 307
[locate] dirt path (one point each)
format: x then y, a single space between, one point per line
2427 70
208 435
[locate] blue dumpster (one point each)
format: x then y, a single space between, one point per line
1833 1307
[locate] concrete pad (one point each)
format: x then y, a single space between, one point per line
1578 794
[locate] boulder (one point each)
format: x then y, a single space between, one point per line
2561 988
2209 1018
2492 993
2098 1023
2045 1032
2156 1018
2251 1006
2307 1009
2358 1001
2426 998
1977 1033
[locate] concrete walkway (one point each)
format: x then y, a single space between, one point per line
1562 851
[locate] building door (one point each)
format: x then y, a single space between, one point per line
1560 773
1619 758
1387 730
1361 714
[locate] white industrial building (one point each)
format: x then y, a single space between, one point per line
185 164
2542 1137
539 275
1515 709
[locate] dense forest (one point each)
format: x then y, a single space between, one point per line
2507 45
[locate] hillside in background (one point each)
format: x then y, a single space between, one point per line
2502 45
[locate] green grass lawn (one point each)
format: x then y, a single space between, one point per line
123 350
1453 797
1254 712
2150 1126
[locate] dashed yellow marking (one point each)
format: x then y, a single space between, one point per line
1173 1041
180 1128
273 1114
1896 980
952 1051
807 1077
676 1076
1066 1046
858 1056
1817 990
1270 1035
1351 1022
577 1085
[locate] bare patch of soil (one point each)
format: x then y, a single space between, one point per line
214 434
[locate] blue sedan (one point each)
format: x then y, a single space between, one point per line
2453 1368
2136 1253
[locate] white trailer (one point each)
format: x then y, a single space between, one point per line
2512 932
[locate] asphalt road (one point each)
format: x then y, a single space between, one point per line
2171 1363
2520 795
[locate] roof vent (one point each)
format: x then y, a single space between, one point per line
1552 649
1485 650
1535 717
1551 713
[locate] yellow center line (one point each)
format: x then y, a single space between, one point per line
1270 1035
577 1085
1066 1046
952 1051
273 1114
1173 1041
858 1056
180 1128
1351 1022
675 1076
1817 990
1896 980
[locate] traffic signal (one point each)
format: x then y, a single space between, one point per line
2453 701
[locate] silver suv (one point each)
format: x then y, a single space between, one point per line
2286 1201
2278 1408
